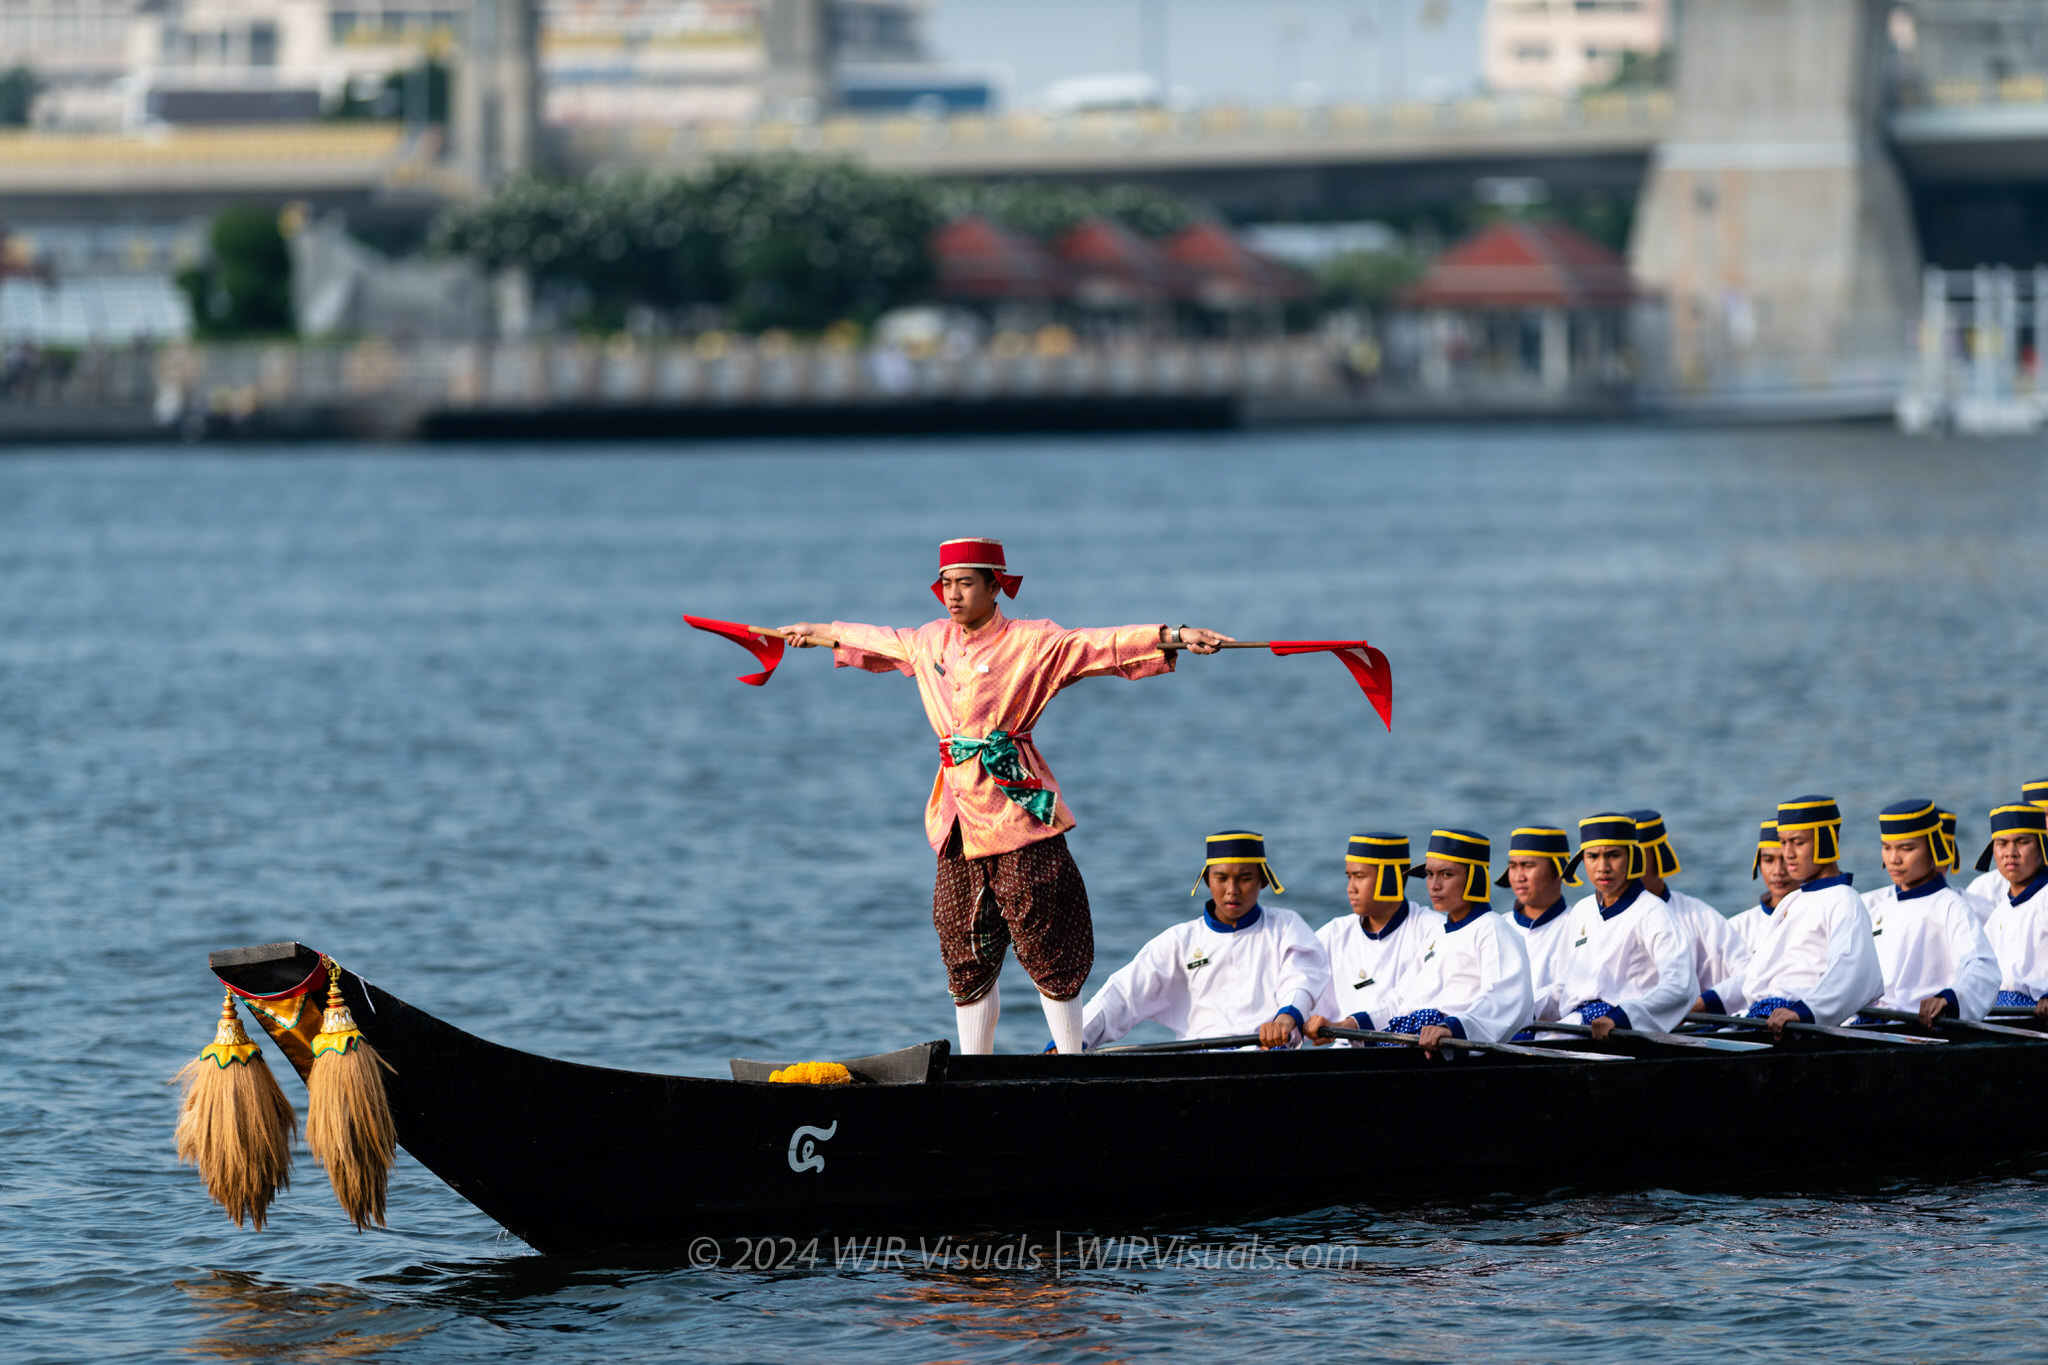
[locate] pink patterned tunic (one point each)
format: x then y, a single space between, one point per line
997 678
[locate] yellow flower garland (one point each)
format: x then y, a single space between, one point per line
813 1073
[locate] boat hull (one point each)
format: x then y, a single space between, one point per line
573 1158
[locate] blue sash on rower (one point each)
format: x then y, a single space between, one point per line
1762 1008
1415 1022
1000 760
2019 999
1590 1010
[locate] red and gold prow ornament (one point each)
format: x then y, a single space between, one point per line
236 1125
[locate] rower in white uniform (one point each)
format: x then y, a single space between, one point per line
1990 887
1718 952
1537 855
1238 967
1376 948
1473 981
1769 863
1930 946
1815 961
2018 927
1630 963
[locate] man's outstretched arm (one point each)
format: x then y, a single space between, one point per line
878 649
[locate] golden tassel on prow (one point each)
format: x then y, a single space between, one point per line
348 1117
236 1125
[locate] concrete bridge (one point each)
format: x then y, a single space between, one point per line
1221 154
1786 197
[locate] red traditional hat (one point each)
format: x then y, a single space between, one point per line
975 554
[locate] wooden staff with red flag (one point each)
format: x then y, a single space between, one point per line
1367 665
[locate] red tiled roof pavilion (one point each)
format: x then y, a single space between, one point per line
1525 265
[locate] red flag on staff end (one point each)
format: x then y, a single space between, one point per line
1368 666
766 648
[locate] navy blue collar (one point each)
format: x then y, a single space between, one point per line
1628 898
2029 889
1479 912
1250 918
1546 917
1767 906
1399 918
1927 888
1823 883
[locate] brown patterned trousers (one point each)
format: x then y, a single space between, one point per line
1031 897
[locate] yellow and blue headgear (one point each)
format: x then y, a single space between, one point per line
1948 832
2035 793
1766 842
1916 819
1819 814
1541 841
1655 843
1239 846
1610 829
2010 820
1387 855
1461 846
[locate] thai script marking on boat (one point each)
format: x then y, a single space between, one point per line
803 1147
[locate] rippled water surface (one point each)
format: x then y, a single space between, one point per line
436 712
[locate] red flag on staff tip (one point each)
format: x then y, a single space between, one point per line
1367 665
766 648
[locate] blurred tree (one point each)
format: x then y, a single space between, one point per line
792 244
244 289
1638 71
1366 279
19 86
1047 211
395 94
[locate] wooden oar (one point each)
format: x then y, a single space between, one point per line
1467 1045
1649 1036
1182 1045
1950 1021
1859 1035
2011 1012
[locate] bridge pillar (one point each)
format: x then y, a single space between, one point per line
497 91
797 34
1774 222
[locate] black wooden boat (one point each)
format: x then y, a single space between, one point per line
575 1158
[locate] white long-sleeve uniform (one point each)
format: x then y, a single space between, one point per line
1928 941
2018 933
1367 970
1547 945
1203 980
1986 893
1633 956
1817 950
1474 971
1749 926
1719 951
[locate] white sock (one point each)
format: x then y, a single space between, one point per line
1065 1018
978 1022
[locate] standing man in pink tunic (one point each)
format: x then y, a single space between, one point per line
996 818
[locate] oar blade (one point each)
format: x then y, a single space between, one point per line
1694 1040
1181 1045
1828 1030
1466 1044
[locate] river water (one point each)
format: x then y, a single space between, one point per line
436 712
